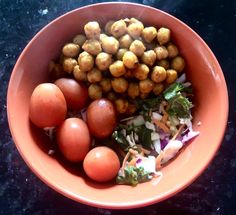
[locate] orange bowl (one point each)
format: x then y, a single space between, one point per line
211 108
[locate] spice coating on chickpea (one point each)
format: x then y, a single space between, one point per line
158 74
161 52
137 47
117 68
69 64
125 41
118 28
70 50
149 57
95 91
121 105
164 63
146 86
92 30
141 72
172 50
79 75
94 75
120 53
178 64
149 33
171 76
130 60
133 90
92 46
110 45
107 27
135 29
79 39
85 61
103 61
105 83
119 85
158 89
163 35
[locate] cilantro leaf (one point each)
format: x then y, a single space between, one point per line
133 175
172 90
144 136
121 140
180 106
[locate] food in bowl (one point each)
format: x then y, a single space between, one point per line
118 94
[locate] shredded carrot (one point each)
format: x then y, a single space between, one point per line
178 132
124 161
159 159
133 162
161 125
165 117
133 152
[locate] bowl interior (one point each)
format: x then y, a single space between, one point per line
211 109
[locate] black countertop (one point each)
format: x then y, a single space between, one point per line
214 192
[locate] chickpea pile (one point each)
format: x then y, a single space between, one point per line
122 62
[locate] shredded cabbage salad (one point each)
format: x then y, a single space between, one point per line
150 139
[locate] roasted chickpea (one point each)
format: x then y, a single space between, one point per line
105 83
131 109
118 28
158 74
120 53
129 73
70 50
125 41
149 33
163 35
158 89
119 85
94 75
103 61
146 86
92 46
69 64
137 47
135 29
110 45
149 57
56 70
121 105
172 50
130 60
95 91
117 68
79 39
102 36
178 64
133 90
161 52
111 96
171 76
141 72
78 74
92 30
108 27
164 63
85 61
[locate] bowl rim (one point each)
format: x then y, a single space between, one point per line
127 205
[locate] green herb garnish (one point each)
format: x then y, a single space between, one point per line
133 175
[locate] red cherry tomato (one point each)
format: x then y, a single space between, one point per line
73 139
76 94
47 106
101 164
101 118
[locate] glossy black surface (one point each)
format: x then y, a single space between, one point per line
214 192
